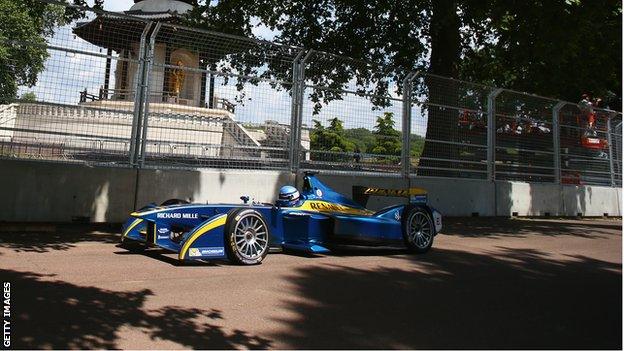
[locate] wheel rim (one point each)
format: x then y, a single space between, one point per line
420 230
251 236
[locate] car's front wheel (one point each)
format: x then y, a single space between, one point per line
246 236
418 229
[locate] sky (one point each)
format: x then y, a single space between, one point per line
123 5
115 5
67 74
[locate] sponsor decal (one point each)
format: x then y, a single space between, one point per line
397 215
163 230
163 237
211 251
394 192
206 251
319 193
175 215
298 214
419 198
324 206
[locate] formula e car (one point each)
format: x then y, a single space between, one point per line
321 220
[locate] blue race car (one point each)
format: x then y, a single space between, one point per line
314 221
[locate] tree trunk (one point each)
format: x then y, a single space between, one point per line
442 123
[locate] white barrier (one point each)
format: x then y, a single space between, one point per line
40 191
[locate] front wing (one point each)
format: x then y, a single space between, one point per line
204 241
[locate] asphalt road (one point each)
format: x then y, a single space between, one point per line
486 284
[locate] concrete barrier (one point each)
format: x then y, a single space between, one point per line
539 199
36 191
213 186
527 199
591 200
459 197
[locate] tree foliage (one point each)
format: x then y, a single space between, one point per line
331 138
24 27
559 48
383 140
387 139
28 96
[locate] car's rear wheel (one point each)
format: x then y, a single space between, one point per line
246 236
418 229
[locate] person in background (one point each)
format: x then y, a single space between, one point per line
357 157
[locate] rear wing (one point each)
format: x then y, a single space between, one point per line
361 194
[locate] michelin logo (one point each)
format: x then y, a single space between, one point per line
206 251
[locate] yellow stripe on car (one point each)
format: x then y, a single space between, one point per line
214 223
132 225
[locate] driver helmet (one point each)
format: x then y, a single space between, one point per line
288 196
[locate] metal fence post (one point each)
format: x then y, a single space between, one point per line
491 134
138 97
610 142
146 91
299 112
407 123
557 141
294 111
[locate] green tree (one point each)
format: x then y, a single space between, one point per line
362 138
417 144
28 97
24 26
331 138
387 139
553 48
558 48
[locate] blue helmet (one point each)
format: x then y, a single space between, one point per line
288 196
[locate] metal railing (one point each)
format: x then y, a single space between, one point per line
172 96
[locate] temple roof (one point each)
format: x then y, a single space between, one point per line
158 9
117 32
190 2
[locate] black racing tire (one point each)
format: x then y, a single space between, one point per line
133 246
418 228
246 236
174 202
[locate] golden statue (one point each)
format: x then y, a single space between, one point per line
177 79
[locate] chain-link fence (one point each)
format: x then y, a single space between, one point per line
137 92
73 112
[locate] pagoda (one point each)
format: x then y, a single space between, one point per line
122 35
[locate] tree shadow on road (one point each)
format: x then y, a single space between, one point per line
511 298
54 314
510 227
57 237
